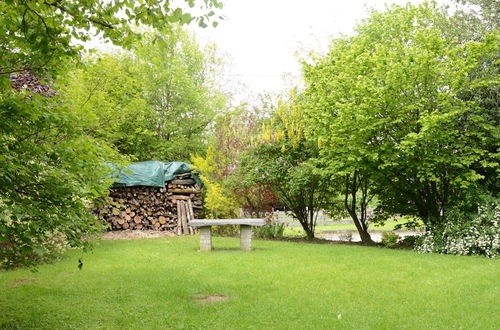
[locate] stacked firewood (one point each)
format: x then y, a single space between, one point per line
26 80
155 208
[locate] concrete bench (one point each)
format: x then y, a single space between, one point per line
245 230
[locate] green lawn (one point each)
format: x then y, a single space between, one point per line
297 231
153 284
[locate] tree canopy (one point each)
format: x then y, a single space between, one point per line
283 159
164 102
387 103
36 34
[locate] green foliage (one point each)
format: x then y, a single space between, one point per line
233 133
272 228
36 35
409 242
226 231
386 105
51 173
52 152
227 190
390 239
283 159
405 222
218 202
179 88
477 236
153 103
475 17
50 249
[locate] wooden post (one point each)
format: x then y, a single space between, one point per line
185 229
190 215
179 225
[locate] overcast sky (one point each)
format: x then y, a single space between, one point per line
261 37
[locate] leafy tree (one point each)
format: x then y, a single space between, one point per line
281 160
233 134
480 15
385 103
50 174
109 93
178 87
153 103
36 35
477 20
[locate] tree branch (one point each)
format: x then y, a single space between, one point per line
90 19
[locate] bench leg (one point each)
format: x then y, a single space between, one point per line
206 238
245 238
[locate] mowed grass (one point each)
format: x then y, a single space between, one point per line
297 231
154 283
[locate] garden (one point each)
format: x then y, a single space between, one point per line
372 180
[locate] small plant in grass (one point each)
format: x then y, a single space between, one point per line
272 228
270 231
390 239
293 231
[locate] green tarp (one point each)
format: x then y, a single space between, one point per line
151 173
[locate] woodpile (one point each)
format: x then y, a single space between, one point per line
155 208
26 80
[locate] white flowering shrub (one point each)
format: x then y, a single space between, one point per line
480 236
427 243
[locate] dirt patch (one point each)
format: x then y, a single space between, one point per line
210 298
135 234
66 273
23 281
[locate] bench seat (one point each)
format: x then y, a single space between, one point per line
205 226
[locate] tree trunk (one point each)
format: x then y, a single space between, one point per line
352 185
362 230
365 237
309 232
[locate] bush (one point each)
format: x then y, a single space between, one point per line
390 239
409 242
50 171
272 228
54 245
479 236
218 202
